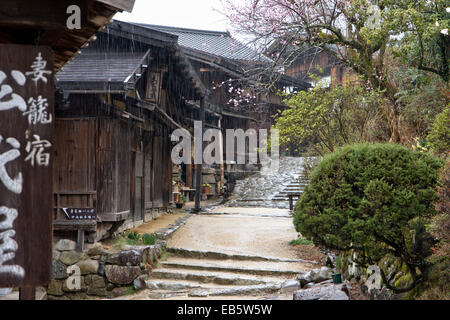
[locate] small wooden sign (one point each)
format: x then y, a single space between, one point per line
154 87
80 213
26 153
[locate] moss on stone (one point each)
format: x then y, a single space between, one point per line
404 281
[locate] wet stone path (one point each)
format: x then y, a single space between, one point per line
234 252
269 190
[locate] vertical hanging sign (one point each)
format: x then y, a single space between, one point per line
26 146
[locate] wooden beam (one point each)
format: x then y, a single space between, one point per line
72 225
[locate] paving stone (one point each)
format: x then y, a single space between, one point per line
290 286
200 293
330 292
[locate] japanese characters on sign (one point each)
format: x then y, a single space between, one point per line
80 213
26 129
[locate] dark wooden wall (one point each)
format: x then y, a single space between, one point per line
111 164
75 163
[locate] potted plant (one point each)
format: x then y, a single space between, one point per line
206 188
181 201
175 186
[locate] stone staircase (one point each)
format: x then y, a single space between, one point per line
190 273
294 186
264 190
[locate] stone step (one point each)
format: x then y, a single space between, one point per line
295 188
254 290
215 267
224 256
206 277
179 291
172 285
286 193
266 265
293 184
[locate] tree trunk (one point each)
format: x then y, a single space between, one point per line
395 124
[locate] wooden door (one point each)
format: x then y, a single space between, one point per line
137 192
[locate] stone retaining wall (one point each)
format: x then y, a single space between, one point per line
99 272
370 278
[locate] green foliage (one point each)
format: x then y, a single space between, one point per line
149 238
300 241
328 118
439 136
133 238
422 44
421 98
133 235
374 199
130 290
438 286
421 145
183 198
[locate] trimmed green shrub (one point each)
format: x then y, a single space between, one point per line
374 199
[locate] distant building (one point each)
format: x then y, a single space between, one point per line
311 60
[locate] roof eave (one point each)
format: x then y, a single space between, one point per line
123 5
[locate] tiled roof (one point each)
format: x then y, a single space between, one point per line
212 42
100 67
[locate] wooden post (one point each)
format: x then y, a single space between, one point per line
27 293
291 202
198 173
222 174
80 240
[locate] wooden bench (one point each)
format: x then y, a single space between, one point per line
74 225
188 193
65 199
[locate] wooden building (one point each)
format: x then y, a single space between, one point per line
326 67
119 102
222 64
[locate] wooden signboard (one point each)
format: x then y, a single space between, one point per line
80 213
154 87
26 152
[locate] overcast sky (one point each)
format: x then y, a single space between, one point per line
194 14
